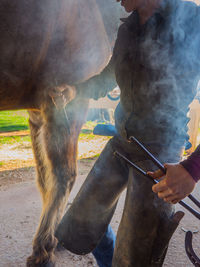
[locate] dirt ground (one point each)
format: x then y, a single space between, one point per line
20 210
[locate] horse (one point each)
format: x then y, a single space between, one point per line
48 51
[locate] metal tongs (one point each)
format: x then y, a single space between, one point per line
188 240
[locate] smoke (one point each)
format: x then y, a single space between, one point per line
183 68
69 41
81 44
69 38
111 13
167 79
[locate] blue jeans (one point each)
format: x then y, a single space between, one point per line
103 253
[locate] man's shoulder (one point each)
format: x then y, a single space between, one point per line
129 21
124 36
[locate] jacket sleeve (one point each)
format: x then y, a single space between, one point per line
192 164
99 85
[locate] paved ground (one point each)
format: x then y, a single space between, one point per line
19 215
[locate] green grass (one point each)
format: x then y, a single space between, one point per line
14 139
13 121
90 159
18 120
90 124
87 131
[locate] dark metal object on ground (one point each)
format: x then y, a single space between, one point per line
189 250
185 230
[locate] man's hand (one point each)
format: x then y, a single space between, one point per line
175 185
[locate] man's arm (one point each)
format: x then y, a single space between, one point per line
192 164
99 85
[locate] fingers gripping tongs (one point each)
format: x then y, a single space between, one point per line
188 240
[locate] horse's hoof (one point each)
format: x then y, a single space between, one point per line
33 262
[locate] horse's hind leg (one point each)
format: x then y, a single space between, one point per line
55 152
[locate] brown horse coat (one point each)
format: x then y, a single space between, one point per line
47 49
